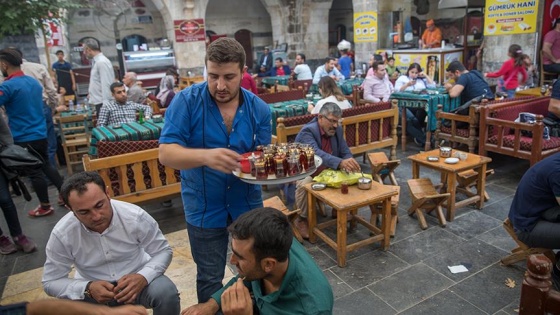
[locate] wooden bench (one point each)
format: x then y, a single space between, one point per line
136 177
282 96
457 132
501 134
538 297
366 128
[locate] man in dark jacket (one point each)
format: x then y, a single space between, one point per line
324 134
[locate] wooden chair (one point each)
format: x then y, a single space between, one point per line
538 297
74 133
154 105
276 203
546 77
382 168
377 209
304 85
522 251
426 198
467 179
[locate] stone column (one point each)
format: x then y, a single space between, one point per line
364 50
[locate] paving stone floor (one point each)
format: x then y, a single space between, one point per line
410 278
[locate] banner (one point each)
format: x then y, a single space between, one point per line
53 32
551 12
365 27
189 30
507 17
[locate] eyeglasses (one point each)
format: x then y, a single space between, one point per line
333 121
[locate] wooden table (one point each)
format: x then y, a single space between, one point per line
347 207
449 176
536 91
428 102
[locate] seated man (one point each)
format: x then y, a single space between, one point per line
535 209
468 84
120 110
134 93
301 69
328 69
279 69
117 249
324 134
282 276
378 88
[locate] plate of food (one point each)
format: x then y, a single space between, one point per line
491 28
271 179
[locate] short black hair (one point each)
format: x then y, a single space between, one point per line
302 56
270 230
59 52
11 56
115 85
328 59
279 59
455 66
555 22
79 182
376 64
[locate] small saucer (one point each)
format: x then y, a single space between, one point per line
451 160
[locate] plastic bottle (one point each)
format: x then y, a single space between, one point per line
141 116
79 108
71 105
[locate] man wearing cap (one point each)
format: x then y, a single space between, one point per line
265 61
551 49
431 38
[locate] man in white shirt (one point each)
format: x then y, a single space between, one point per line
117 249
301 70
328 69
101 76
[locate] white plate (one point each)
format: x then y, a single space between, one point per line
248 178
451 160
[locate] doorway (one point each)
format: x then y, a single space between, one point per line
245 38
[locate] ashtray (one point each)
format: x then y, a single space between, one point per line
116 126
432 158
318 186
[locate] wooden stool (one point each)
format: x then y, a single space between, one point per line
425 197
522 251
276 203
467 179
377 209
381 167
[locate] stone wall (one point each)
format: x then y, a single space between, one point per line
25 43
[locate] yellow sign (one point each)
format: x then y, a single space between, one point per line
365 27
505 17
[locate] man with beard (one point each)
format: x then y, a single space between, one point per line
280 274
120 110
301 70
324 134
207 128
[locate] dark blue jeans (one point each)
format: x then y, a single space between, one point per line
51 134
9 208
209 251
546 233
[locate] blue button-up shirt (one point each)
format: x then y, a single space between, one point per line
193 120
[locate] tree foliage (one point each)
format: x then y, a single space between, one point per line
25 16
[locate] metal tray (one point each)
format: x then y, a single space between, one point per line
248 178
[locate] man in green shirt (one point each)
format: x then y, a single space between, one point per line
281 275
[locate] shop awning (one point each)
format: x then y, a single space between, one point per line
448 4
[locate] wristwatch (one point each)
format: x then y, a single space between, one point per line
87 292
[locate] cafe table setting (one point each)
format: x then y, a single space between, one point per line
133 131
287 109
427 99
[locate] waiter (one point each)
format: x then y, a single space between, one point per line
431 38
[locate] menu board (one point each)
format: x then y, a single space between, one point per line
507 17
365 27
189 30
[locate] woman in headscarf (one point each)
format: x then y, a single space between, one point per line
166 92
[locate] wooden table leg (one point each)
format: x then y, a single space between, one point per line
311 217
415 170
428 144
403 129
481 185
386 223
341 238
451 183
